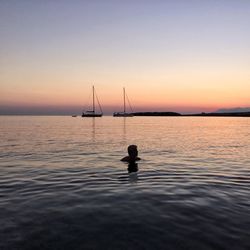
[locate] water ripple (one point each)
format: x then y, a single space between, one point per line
62 185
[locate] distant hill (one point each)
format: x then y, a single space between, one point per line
233 110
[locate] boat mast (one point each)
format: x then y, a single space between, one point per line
93 99
124 103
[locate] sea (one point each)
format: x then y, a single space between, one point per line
63 186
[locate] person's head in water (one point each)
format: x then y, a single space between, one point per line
132 151
132 154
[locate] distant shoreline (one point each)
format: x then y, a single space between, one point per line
175 114
156 114
230 114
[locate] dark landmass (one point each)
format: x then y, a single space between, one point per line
231 114
156 114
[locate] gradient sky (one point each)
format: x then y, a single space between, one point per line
184 56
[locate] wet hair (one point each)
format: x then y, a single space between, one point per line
132 149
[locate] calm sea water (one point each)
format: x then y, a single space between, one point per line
62 185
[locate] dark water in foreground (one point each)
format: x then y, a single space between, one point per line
62 185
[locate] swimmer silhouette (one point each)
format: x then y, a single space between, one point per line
132 154
132 167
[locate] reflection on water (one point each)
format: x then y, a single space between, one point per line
124 128
93 127
132 170
62 185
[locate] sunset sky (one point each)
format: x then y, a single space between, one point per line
183 56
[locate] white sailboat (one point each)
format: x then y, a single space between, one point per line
92 113
124 113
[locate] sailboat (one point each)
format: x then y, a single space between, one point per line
124 113
92 113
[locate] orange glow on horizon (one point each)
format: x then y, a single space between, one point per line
174 89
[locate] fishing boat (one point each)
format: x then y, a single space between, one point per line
124 113
92 113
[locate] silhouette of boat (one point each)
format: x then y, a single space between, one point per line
124 113
92 113
74 115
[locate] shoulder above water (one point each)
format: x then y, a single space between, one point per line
128 159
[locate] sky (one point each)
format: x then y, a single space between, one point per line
171 55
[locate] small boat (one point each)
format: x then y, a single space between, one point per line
92 113
124 113
74 115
